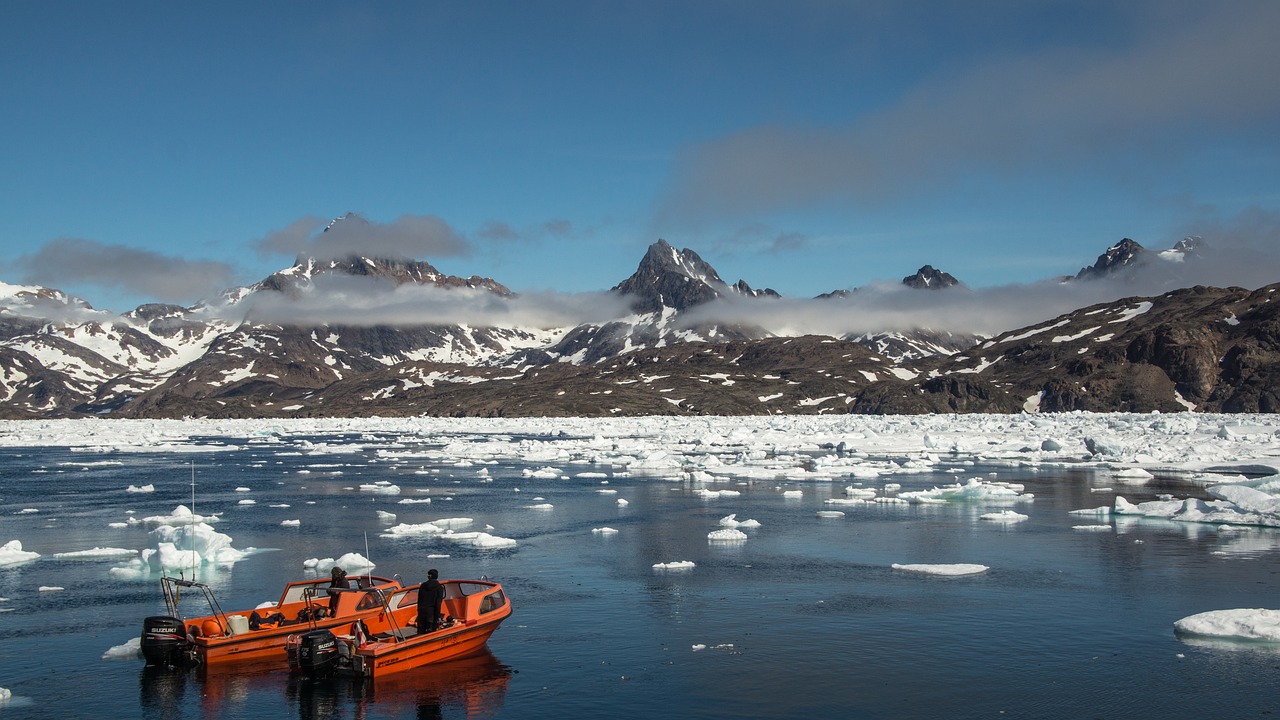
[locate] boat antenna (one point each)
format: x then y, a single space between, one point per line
192 538
368 573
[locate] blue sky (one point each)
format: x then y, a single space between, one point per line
162 152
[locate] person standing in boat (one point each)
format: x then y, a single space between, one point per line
430 597
337 581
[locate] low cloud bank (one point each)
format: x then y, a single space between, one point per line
345 300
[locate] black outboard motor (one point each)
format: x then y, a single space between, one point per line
164 640
318 653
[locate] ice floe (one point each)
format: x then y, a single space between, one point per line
11 553
353 563
1004 516
732 521
947 570
97 553
675 565
130 650
1252 624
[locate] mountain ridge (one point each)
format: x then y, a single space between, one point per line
220 359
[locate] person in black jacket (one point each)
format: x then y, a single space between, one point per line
337 581
430 596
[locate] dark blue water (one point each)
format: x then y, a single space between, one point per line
806 618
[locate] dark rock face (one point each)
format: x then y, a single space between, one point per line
1208 349
670 278
1124 254
930 278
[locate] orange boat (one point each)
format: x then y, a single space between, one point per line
388 642
259 634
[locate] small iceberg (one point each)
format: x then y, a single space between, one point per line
952 570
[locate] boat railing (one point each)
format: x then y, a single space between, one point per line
171 588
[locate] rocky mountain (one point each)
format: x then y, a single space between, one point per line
929 278
1204 349
244 355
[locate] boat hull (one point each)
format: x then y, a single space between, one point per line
233 637
382 658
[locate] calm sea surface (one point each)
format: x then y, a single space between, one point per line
804 619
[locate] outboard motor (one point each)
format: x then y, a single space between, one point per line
164 640
318 653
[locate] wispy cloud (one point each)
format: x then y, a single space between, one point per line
73 261
1188 66
890 306
414 237
362 301
501 231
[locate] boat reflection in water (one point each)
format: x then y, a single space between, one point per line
476 684
220 690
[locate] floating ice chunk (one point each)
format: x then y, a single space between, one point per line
291 523
727 535
247 502
546 473
863 493
697 647
148 488
1101 511
96 553
675 565
1004 516
607 491
830 514
1241 624
209 544
1247 499
382 487
1091 528
1105 446
604 531
27 511
243 489
181 515
948 570
592 475
130 650
706 494
622 502
541 506
793 494
1133 475
974 490
11 553
414 501
413 530
454 523
384 516
481 540
50 588
118 525
352 562
731 521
